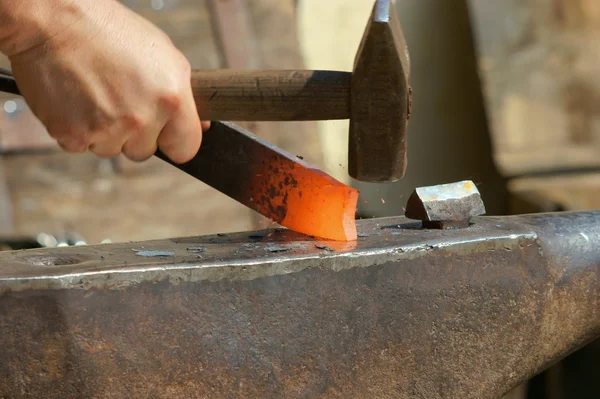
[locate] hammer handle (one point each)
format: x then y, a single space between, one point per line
285 95
271 95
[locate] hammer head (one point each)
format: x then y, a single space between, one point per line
380 100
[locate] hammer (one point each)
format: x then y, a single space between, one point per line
375 97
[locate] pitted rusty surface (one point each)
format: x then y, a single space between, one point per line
273 194
401 313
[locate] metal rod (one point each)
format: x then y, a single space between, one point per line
8 83
273 182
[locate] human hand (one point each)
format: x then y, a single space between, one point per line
101 77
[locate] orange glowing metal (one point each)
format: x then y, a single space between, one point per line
305 199
274 183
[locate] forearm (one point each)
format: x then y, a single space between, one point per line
28 23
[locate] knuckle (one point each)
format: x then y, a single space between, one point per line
100 126
70 138
135 123
171 101
173 93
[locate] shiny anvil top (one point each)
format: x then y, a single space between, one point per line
251 255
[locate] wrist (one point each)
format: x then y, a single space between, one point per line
25 24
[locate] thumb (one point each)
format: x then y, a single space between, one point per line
181 137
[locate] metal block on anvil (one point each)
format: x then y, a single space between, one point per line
402 312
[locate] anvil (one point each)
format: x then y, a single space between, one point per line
402 312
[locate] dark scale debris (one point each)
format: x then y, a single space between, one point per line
196 249
324 247
277 249
250 247
258 235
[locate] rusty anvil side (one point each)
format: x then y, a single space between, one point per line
402 312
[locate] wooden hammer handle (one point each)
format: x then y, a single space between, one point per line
285 95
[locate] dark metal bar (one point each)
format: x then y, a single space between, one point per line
8 83
402 312
273 183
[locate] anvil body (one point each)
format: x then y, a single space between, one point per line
402 312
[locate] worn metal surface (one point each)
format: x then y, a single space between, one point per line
380 100
401 313
443 206
272 182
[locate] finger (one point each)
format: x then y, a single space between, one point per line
141 146
70 137
73 146
107 148
181 137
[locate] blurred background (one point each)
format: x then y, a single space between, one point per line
505 93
